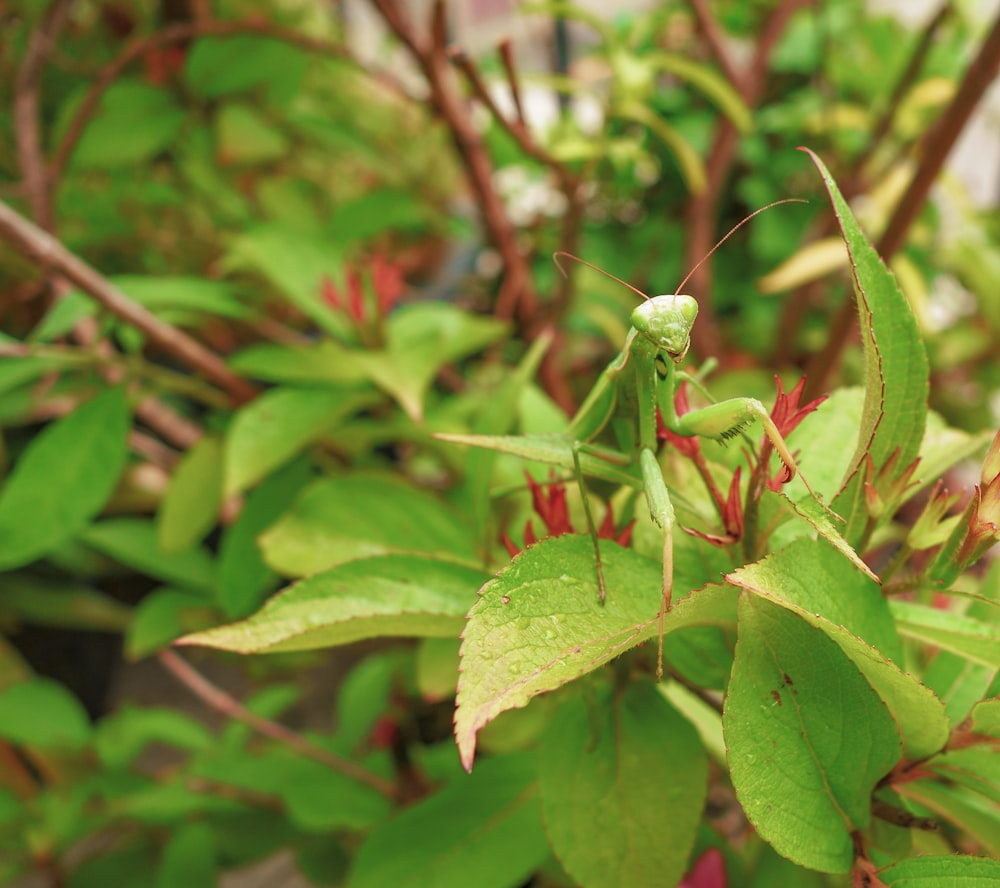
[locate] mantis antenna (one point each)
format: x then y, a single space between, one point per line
556 256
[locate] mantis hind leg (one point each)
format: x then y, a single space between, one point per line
661 510
591 527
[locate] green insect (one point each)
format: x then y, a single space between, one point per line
641 380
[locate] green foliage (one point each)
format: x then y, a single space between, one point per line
384 503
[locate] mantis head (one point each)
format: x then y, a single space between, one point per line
666 322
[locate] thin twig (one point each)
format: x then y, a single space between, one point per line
28 126
712 33
517 296
48 251
506 51
229 706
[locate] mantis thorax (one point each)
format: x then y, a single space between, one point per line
666 322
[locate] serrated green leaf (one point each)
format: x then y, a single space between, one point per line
481 832
955 871
63 479
41 712
190 507
808 738
810 579
611 770
540 624
896 368
358 516
958 633
403 595
280 423
133 541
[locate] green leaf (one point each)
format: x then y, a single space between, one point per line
188 858
323 361
710 82
124 734
245 136
173 298
401 595
280 423
810 579
896 369
41 712
222 66
63 479
611 771
932 872
134 122
960 634
480 832
133 541
60 603
161 617
808 738
976 767
244 578
986 718
190 506
421 339
357 516
540 624
293 262
690 164
977 817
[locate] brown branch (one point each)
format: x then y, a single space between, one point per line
936 147
230 707
506 51
47 250
712 33
703 207
517 296
28 128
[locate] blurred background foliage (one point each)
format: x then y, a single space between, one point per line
323 196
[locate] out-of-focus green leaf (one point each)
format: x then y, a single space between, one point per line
41 712
134 122
960 634
133 541
124 734
609 768
63 479
190 506
374 597
485 830
223 66
244 136
60 603
163 616
360 515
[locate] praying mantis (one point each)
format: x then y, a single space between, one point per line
637 384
